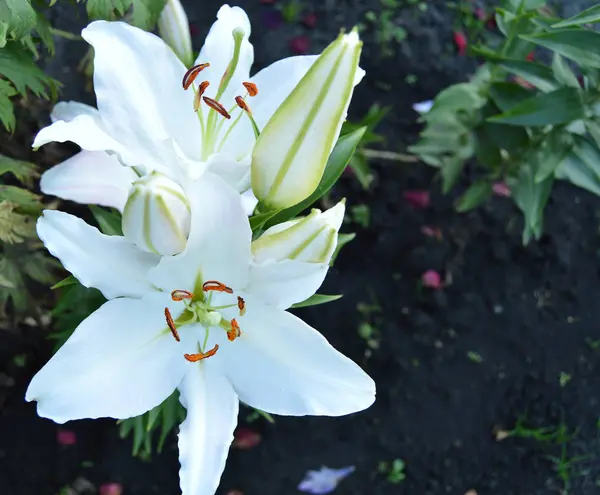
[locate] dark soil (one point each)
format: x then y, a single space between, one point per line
453 366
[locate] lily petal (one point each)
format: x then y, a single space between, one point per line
286 282
112 264
290 369
218 246
207 432
137 80
120 362
218 51
90 177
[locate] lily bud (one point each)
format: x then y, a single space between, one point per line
312 239
292 150
174 28
157 215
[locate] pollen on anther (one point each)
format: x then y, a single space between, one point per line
216 106
171 325
234 332
216 286
181 294
243 105
251 88
241 305
192 73
194 358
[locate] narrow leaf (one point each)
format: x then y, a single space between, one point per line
538 75
580 45
477 193
588 16
316 299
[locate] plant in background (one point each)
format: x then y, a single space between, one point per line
22 259
522 121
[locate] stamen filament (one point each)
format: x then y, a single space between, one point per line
194 358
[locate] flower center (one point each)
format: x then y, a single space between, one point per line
212 141
199 309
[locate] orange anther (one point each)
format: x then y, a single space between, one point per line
251 88
192 73
241 306
199 93
181 294
217 286
193 358
243 105
171 325
215 105
234 332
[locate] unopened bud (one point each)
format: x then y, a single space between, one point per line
157 215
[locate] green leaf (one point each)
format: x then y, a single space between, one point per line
23 199
70 280
558 107
14 227
44 31
147 12
539 75
506 95
563 73
593 128
338 160
17 66
362 171
41 268
106 9
109 221
23 171
316 299
587 152
7 116
19 18
578 173
580 45
552 153
531 198
343 239
588 16
477 193
450 171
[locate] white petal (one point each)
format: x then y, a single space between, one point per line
283 283
218 246
68 110
85 129
112 264
235 173
423 107
90 177
207 432
283 366
218 52
120 362
137 80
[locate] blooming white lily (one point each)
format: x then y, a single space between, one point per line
146 119
209 321
292 150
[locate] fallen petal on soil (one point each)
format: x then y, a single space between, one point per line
325 480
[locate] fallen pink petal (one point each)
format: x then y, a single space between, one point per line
431 279
500 189
66 437
300 45
460 40
417 199
245 438
310 20
434 232
324 480
110 489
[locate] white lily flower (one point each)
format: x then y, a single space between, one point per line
146 119
174 28
209 322
312 239
292 150
157 215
